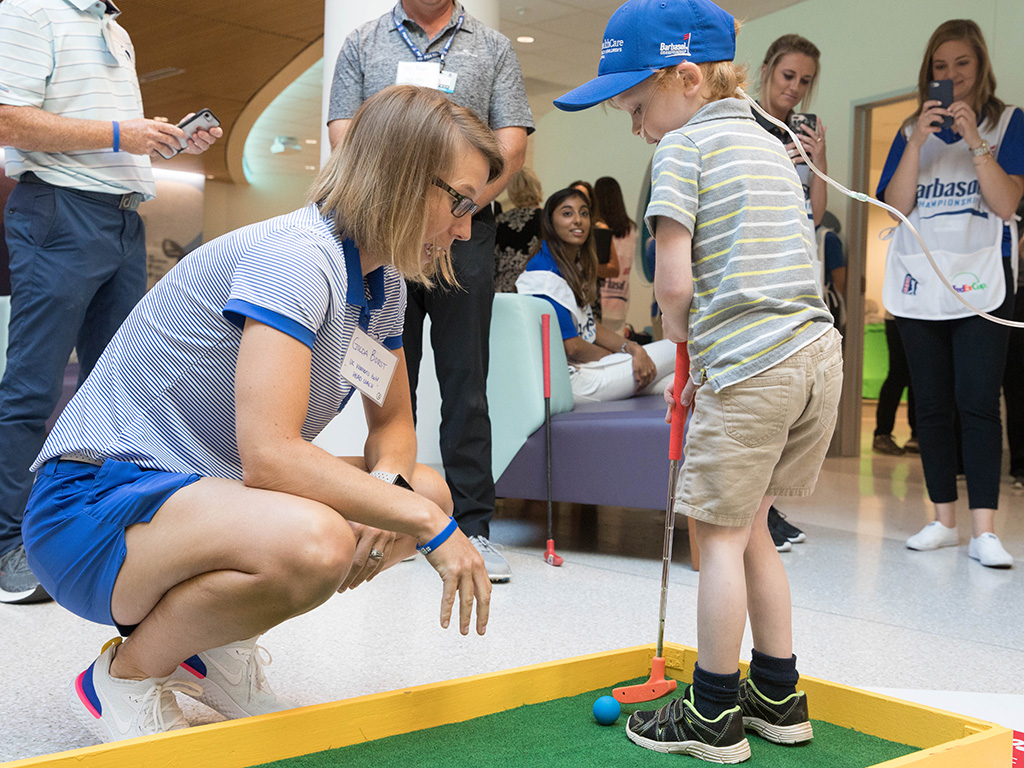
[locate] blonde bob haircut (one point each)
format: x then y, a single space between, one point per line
378 182
524 189
985 102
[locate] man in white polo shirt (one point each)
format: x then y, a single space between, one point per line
71 117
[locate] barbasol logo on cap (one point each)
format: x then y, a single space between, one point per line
611 45
671 50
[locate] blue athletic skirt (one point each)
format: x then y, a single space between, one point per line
74 527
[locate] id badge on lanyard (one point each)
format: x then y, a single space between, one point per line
424 71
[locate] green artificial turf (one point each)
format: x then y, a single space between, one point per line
563 733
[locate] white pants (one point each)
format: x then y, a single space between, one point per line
611 377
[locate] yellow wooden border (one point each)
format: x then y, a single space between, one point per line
947 740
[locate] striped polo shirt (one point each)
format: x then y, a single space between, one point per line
730 183
163 393
71 58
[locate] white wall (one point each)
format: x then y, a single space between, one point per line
230 206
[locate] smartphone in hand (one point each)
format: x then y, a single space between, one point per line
202 120
797 119
942 92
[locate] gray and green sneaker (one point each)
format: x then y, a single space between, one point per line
680 729
783 722
17 582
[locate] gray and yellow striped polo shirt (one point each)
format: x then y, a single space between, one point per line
755 300
71 58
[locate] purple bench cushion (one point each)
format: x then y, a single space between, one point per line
614 454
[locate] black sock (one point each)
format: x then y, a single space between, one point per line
714 694
774 677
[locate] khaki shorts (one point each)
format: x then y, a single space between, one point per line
766 436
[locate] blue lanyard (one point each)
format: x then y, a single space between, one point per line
420 56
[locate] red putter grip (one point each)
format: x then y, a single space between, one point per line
675 441
545 345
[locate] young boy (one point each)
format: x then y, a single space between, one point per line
734 280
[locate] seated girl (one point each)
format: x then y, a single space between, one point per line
602 365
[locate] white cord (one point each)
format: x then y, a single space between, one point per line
868 199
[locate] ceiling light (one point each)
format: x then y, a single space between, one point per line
285 144
311 141
310 167
524 39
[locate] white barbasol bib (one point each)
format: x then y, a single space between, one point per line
963 234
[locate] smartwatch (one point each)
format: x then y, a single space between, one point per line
392 478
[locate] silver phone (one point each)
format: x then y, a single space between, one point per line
202 120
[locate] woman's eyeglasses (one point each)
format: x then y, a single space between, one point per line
461 205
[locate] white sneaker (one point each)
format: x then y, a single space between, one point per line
115 709
933 536
988 550
231 680
498 569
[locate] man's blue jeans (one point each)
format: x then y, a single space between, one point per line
78 267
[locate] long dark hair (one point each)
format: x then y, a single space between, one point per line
577 265
608 195
985 102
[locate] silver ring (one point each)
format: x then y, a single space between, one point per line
376 554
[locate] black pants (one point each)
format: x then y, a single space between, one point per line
956 366
1013 390
895 382
460 327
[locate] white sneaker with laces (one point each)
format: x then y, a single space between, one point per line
498 569
988 550
231 680
933 536
115 709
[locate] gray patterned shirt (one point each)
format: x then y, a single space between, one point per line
488 78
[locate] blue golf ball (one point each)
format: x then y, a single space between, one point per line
607 710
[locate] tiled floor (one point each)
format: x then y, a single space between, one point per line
934 627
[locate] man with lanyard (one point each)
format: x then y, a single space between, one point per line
71 117
436 44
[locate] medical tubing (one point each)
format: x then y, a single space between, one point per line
868 199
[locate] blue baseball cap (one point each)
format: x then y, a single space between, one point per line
644 36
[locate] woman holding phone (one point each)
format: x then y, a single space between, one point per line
180 497
789 75
959 185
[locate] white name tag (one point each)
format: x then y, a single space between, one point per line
426 74
368 366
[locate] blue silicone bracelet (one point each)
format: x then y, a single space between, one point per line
440 539
117 137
